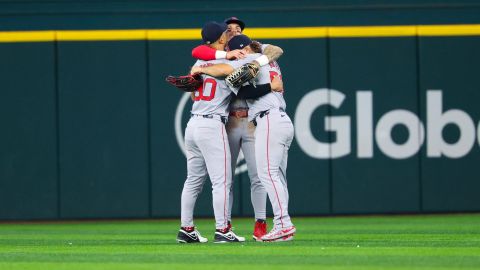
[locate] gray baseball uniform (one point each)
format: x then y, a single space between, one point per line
207 149
241 136
273 137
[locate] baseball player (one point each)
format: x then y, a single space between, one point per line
240 131
207 148
273 137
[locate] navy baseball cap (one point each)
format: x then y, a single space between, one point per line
239 42
212 31
235 20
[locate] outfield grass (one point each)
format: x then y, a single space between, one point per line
392 242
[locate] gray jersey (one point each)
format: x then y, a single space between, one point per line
270 100
214 97
240 104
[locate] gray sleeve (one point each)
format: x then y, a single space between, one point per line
263 76
238 63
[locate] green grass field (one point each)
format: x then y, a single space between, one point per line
390 242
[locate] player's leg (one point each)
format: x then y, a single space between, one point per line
273 137
196 175
234 132
213 143
282 172
258 194
283 169
284 128
214 146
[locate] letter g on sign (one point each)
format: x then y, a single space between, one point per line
338 124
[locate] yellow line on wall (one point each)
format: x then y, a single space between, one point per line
100 35
287 32
255 33
27 36
449 30
372 31
174 34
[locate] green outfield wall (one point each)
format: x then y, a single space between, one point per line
384 97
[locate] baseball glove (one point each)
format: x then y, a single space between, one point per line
241 75
188 83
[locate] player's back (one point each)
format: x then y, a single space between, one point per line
214 96
270 100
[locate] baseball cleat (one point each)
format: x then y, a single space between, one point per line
187 236
228 237
282 239
259 230
278 233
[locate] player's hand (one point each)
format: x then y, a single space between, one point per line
196 69
235 54
276 84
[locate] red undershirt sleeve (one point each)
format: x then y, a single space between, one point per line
203 52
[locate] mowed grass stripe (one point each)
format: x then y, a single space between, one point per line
333 240
403 251
212 266
391 242
257 260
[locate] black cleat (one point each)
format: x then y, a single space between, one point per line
190 237
228 237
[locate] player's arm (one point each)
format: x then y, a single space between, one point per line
252 92
270 53
206 53
217 70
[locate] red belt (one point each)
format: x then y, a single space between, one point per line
239 113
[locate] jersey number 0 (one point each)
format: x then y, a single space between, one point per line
207 91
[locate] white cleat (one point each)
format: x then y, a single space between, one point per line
280 234
282 239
